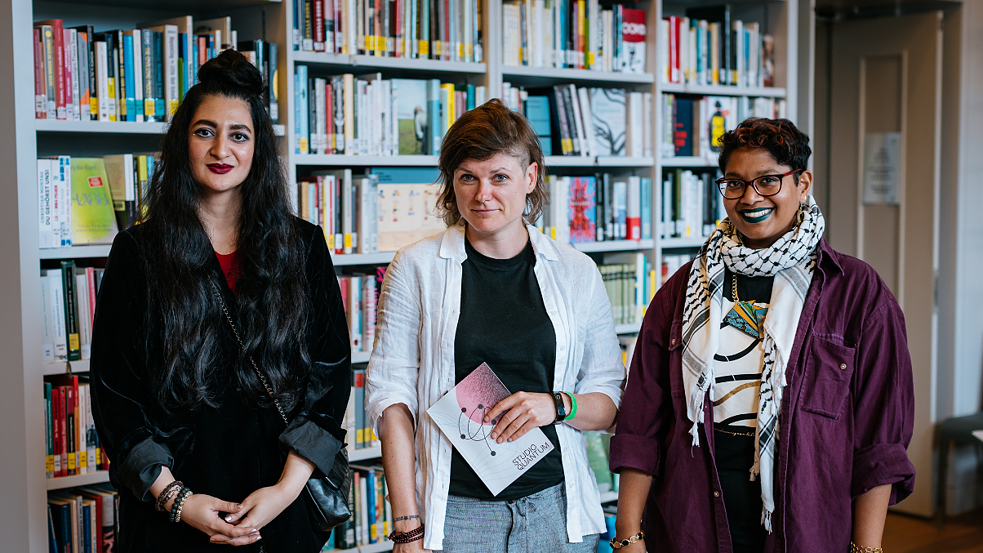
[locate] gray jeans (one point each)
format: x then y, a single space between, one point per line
534 524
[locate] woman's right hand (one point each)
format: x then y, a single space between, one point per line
204 512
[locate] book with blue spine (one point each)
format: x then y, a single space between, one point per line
538 114
646 208
128 79
433 116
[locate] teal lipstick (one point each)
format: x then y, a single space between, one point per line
757 214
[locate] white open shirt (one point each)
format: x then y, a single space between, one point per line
419 306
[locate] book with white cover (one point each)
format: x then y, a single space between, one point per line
460 416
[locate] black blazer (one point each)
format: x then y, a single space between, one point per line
229 451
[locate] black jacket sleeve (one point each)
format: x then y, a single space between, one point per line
120 386
316 432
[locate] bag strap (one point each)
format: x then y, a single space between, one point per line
243 347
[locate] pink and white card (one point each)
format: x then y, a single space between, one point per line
460 415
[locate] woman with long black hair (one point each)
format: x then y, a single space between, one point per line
217 303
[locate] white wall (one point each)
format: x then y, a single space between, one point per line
961 260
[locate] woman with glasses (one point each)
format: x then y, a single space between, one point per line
769 401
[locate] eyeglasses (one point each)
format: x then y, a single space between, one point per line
765 185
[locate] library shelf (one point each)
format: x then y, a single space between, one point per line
379 258
110 127
721 90
364 161
364 454
598 161
76 252
608 497
63 367
532 75
360 357
615 245
359 62
689 161
627 328
689 242
64 482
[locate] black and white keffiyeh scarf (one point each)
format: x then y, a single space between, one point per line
791 260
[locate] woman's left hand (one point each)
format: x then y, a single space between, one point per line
259 508
519 413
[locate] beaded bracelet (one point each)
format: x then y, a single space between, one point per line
615 543
169 491
854 548
179 504
407 537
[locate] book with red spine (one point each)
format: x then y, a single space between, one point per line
58 36
318 20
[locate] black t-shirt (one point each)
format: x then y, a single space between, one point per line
504 323
734 447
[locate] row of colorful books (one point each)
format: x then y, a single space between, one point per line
577 34
71 441
709 47
382 210
586 122
694 125
85 200
68 300
441 30
672 262
372 518
360 294
691 203
138 75
629 281
369 115
598 208
83 520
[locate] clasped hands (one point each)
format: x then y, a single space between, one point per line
521 412
231 523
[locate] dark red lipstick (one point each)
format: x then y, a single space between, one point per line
219 168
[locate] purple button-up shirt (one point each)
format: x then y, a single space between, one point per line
846 418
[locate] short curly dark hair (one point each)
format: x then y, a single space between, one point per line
786 143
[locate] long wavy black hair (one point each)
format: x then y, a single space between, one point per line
273 305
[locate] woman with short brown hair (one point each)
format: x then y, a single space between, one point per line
493 289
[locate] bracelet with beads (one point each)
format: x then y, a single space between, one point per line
618 544
407 537
179 504
854 548
167 493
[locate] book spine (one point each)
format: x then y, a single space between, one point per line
40 89
148 68
61 87
160 77
49 453
71 314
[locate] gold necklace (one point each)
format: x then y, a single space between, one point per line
733 282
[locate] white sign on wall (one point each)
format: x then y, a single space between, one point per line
882 166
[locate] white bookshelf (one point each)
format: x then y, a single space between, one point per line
598 161
65 482
324 160
718 90
357 63
22 513
598 78
75 252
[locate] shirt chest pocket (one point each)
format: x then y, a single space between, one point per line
829 371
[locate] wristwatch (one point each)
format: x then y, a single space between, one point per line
561 411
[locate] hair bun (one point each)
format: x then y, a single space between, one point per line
231 70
